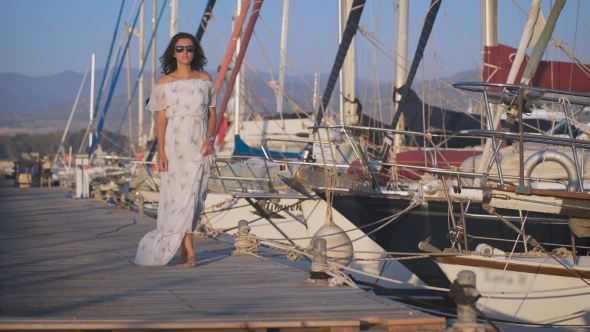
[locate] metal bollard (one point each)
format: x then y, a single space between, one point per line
319 261
140 207
319 251
245 244
466 315
243 227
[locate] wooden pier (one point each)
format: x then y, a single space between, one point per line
67 264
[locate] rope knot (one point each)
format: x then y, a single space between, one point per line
338 278
246 242
294 256
561 252
205 225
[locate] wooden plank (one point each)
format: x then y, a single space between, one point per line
167 323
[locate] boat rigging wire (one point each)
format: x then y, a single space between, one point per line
63 138
144 61
574 272
111 91
378 45
269 31
292 101
575 40
560 44
104 77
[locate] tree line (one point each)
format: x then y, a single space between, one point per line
11 147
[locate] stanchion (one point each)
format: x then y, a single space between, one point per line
319 261
140 207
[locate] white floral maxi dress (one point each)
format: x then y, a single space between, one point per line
183 188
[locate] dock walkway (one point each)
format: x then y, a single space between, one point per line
67 264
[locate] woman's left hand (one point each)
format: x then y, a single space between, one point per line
207 148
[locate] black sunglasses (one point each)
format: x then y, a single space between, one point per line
180 49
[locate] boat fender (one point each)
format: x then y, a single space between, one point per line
430 187
336 238
487 250
471 194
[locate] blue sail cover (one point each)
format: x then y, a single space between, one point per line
242 149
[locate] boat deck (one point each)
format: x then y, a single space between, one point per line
67 264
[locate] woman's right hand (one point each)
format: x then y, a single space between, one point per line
162 162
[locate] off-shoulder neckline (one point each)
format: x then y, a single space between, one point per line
186 79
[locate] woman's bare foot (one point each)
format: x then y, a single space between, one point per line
187 254
191 262
183 254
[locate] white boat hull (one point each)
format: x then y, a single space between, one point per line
223 212
540 298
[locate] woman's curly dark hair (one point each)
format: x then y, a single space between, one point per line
168 60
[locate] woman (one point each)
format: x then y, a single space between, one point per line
184 98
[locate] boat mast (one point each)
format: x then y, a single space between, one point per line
418 55
491 43
92 65
347 87
140 96
491 24
283 51
240 58
63 137
154 58
128 60
173 17
401 72
238 77
352 23
222 123
316 91
490 8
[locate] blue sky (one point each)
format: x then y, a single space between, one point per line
41 37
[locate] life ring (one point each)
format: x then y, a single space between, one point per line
566 162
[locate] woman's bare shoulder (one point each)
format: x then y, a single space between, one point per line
204 76
165 79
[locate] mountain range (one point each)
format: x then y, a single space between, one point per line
43 104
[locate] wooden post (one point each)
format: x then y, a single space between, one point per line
97 194
140 207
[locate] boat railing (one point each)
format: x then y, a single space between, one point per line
268 156
433 154
247 174
502 92
515 100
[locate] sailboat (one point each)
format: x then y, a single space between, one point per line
438 207
272 208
